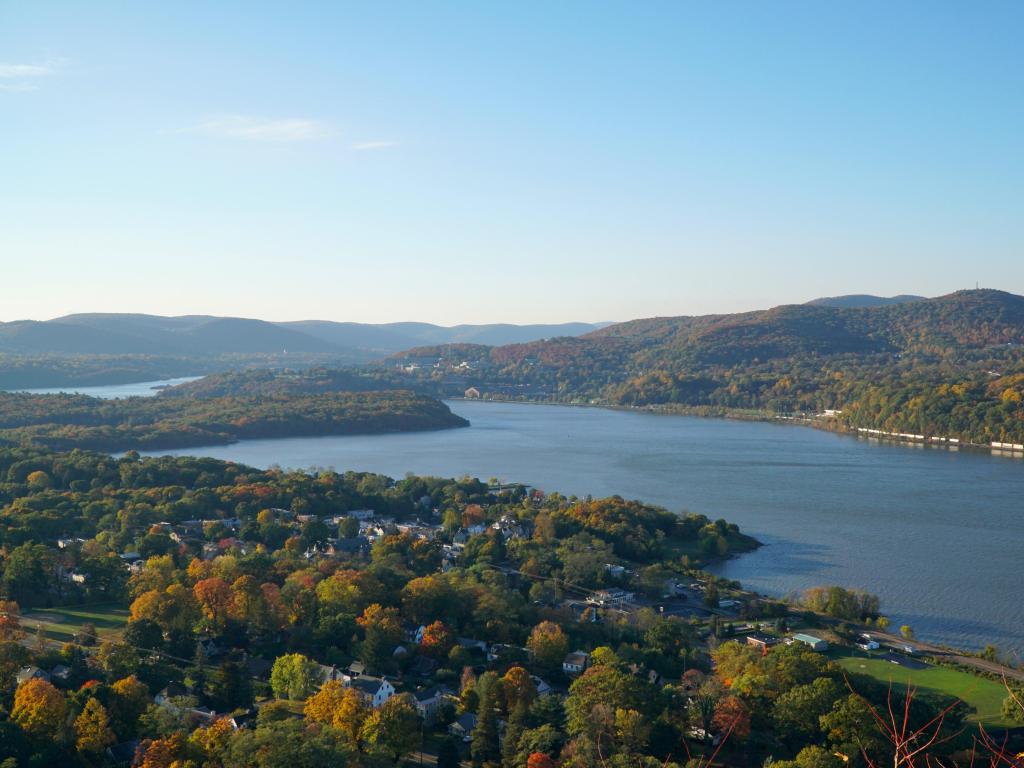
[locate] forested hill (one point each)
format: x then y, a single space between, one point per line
951 366
64 422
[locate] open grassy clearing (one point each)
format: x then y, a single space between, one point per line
984 695
61 624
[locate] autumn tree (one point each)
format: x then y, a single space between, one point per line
394 728
215 601
39 708
540 760
322 706
294 676
350 717
437 639
93 733
10 621
732 716
548 644
518 687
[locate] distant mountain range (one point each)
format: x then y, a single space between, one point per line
138 334
948 366
864 300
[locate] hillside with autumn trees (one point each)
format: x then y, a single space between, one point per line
65 421
949 366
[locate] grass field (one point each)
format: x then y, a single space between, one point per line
984 695
61 624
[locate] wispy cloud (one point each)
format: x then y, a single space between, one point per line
365 146
251 128
17 78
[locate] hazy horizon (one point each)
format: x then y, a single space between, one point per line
523 163
419 320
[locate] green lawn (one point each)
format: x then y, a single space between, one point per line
62 623
984 695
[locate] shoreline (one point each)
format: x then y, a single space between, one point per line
824 423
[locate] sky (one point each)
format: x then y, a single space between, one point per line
459 162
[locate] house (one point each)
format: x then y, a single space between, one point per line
209 648
728 604
463 726
168 694
414 632
472 394
576 662
31 673
612 596
60 672
327 674
615 571
543 689
361 514
376 690
429 700
815 643
867 643
761 641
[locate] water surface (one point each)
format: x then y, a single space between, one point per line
936 534
113 391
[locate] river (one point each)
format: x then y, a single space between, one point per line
115 391
934 533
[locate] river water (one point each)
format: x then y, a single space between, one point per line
935 533
113 391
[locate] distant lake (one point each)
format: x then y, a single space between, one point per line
111 391
936 534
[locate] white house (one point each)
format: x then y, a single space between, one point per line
576 662
429 700
377 690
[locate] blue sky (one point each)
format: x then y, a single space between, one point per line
513 162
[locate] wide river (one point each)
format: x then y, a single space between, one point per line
936 534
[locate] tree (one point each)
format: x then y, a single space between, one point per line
906 632
605 687
484 740
92 728
348 528
382 632
394 728
215 600
437 640
797 711
540 760
519 688
39 708
732 717
350 717
128 700
322 706
294 676
117 659
10 621
37 481
230 687
548 644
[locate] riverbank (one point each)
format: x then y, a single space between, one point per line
828 423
